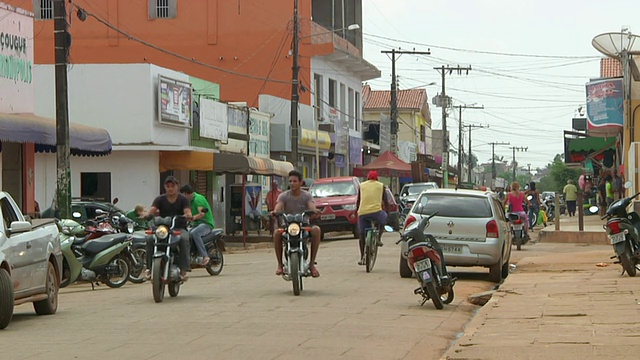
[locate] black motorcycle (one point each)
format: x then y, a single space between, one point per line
296 234
624 234
426 260
164 268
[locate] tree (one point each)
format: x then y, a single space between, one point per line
557 176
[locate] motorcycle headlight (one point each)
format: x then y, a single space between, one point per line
349 207
293 229
162 232
130 228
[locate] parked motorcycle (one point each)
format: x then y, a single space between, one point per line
517 230
164 268
296 234
624 233
106 259
425 258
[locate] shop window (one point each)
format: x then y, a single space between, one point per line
333 93
163 9
96 186
43 9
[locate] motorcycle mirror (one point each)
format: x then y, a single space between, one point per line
115 201
101 212
388 228
76 215
593 209
627 185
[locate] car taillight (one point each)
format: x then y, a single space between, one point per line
614 226
492 229
409 220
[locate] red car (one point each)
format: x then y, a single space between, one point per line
336 199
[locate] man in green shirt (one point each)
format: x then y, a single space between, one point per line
570 196
609 190
202 221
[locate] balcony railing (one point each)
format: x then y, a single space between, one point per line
322 35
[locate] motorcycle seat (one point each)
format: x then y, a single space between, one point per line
79 240
102 243
214 234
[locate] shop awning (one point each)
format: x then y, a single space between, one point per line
591 144
29 128
186 160
241 164
308 139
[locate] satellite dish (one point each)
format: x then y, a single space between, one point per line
612 44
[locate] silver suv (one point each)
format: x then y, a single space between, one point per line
471 226
410 192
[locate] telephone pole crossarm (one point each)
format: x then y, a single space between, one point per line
514 164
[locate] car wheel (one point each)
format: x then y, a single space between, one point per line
495 271
6 299
405 271
49 305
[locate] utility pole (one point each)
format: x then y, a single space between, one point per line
514 148
394 93
529 169
474 127
444 103
63 153
295 97
460 107
493 159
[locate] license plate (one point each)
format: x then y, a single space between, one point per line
452 249
517 227
616 238
422 265
328 217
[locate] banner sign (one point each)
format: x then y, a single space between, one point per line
605 106
174 102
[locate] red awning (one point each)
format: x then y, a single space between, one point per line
387 165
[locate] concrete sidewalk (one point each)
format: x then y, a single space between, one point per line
592 233
558 305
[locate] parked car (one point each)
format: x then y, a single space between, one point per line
30 262
87 209
336 199
470 225
410 192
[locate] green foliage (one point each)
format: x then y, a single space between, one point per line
558 175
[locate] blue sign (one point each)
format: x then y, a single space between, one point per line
605 105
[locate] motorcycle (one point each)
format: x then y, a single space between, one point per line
296 234
164 270
624 233
517 230
106 259
425 258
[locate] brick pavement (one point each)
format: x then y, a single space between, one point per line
558 306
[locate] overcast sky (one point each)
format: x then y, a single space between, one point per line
528 100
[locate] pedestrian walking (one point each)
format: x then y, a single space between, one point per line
570 196
609 189
617 186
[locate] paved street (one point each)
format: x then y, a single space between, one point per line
249 313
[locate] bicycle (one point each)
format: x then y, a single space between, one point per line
372 238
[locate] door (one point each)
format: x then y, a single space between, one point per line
20 254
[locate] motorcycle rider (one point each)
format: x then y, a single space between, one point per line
172 203
202 221
370 204
295 201
515 200
534 204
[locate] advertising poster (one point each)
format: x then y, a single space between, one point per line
174 102
605 107
16 61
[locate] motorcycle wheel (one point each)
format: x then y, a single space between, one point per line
627 263
433 294
158 285
450 295
174 288
518 243
370 251
135 275
296 278
216 261
123 274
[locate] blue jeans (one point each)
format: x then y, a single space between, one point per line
533 209
364 221
196 234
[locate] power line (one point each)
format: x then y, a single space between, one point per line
185 58
484 51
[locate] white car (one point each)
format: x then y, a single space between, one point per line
471 226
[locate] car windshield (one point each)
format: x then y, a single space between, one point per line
460 206
343 188
416 189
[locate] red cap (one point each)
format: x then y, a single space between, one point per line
373 175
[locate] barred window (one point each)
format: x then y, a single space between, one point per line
43 9
163 9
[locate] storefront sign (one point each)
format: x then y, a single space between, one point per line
16 60
259 135
237 118
174 102
355 150
605 106
213 120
